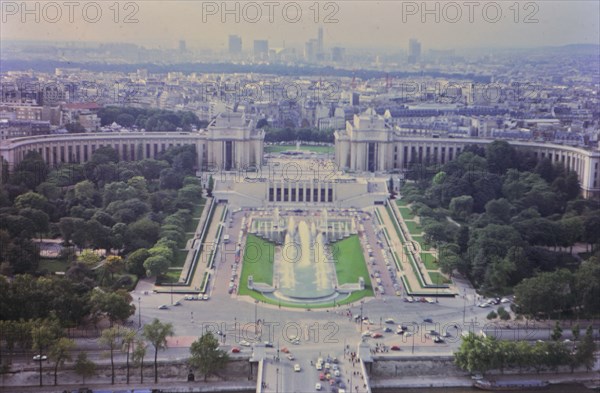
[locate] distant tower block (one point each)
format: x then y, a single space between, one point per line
251 282
361 283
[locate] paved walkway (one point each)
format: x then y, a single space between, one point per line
209 244
407 269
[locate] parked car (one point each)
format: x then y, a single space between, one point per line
317 386
40 357
163 307
235 350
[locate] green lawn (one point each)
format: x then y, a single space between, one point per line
429 261
406 213
258 262
260 265
172 276
349 260
350 265
180 258
413 227
197 211
421 241
316 149
438 278
53 265
401 203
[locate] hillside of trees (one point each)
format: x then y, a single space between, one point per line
516 220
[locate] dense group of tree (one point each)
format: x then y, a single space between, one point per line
482 354
302 134
135 212
117 220
150 119
501 217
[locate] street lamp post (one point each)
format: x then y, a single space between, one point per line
464 308
361 315
139 312
171 293
277 381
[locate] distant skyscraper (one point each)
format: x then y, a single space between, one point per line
310 50
414 51
182 47
235 44
320 41
337 53
261 49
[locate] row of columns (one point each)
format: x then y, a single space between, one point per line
299 192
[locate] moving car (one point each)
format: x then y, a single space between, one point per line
244 343
317 386
376 335
163 307
290 356
235 350
389 320
297 367
395 347
40 357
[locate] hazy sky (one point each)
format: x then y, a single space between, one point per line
461 24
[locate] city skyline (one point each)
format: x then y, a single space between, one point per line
200 24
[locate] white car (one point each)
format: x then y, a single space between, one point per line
336 373
40 357
205 297
297 367
505 300
317 386
244 343
319 366
484 305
